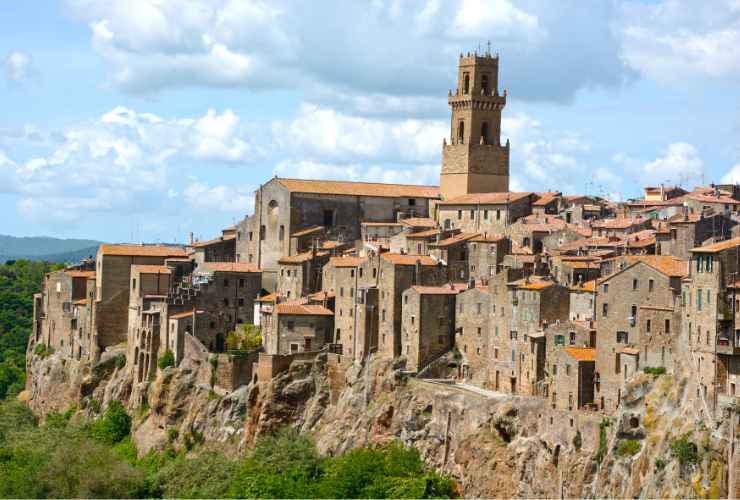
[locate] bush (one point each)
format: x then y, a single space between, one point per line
659 464
205 476
43 351
684 450
167 359
628 447
245 338
654 370
120 361
113 426
601 453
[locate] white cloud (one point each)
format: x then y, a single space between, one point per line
389 49
679 163
201 196
733 176
330 135
682 39
18 66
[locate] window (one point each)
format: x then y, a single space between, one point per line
479 331
567 370
226 283
479 308
554 372
291 325
241 283
667 326
338 335
650 285
351 273
441 339
281 235
472 214
133 285
647 326
709 296
484 133
341 291
622 338
634 284
226 302
498 214
263 231
241 302
405 299
459 214
605 310
250 235
412 202
461 132
412 319
572 338
328 218
617 367
698 299
383 315
559 340
709 258
485 214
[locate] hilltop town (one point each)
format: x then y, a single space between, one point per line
559 300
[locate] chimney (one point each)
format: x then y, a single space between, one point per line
190 238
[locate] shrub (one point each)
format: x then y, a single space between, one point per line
601 453
245 338
120 361
685 451
113 426
167 359
654 370
577 440
43 351
628 447
660 464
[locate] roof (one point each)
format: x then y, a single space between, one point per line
502 198
301 257
399 259
631 350
708 198
347 261
718 247
80 274
419 222
359 188
381 224
215 241
454 240
181 315
618 223
532 283
303 310
449 289
488 238
80 302
148 269
581 353
587 286
322 295
546 198
666 264
270 297
230 267
307 231
142 250
429 233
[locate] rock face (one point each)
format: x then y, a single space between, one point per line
494 445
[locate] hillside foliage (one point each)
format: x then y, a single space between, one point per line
70 456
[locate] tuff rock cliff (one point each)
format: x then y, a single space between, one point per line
494 445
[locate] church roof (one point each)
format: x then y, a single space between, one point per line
503 198
359 188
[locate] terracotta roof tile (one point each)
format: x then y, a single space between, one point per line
503 198
230 267
80 274
618 223
488 238
307 231
448 289
546 198
149 269
303 310
143 250
381 224
301 257
429 233
359 188
184 314
718 247
347 261
656 308
581 353
454 240
419 222
80 302
408 260
631 350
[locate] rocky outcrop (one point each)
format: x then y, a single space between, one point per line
494 445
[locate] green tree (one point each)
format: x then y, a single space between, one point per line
167 359
114 425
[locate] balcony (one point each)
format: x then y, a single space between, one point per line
728 345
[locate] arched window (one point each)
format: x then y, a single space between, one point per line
484 84
466 83
484 133
461 133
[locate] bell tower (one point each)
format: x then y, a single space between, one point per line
474 161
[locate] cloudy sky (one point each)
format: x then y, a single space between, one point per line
145 119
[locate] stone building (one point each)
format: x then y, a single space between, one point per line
300 275
690 230
296 328
472 333
428 324
486 255
113 282
573 371
397 273
221 249
491 213
63 312
453 252
653 281
284 207
475 161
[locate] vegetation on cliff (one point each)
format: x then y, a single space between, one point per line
73 456
19 280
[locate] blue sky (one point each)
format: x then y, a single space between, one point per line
146 119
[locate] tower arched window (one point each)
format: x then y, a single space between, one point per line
484 84
484 133
466 83
461 133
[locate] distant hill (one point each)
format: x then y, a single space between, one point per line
44 248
